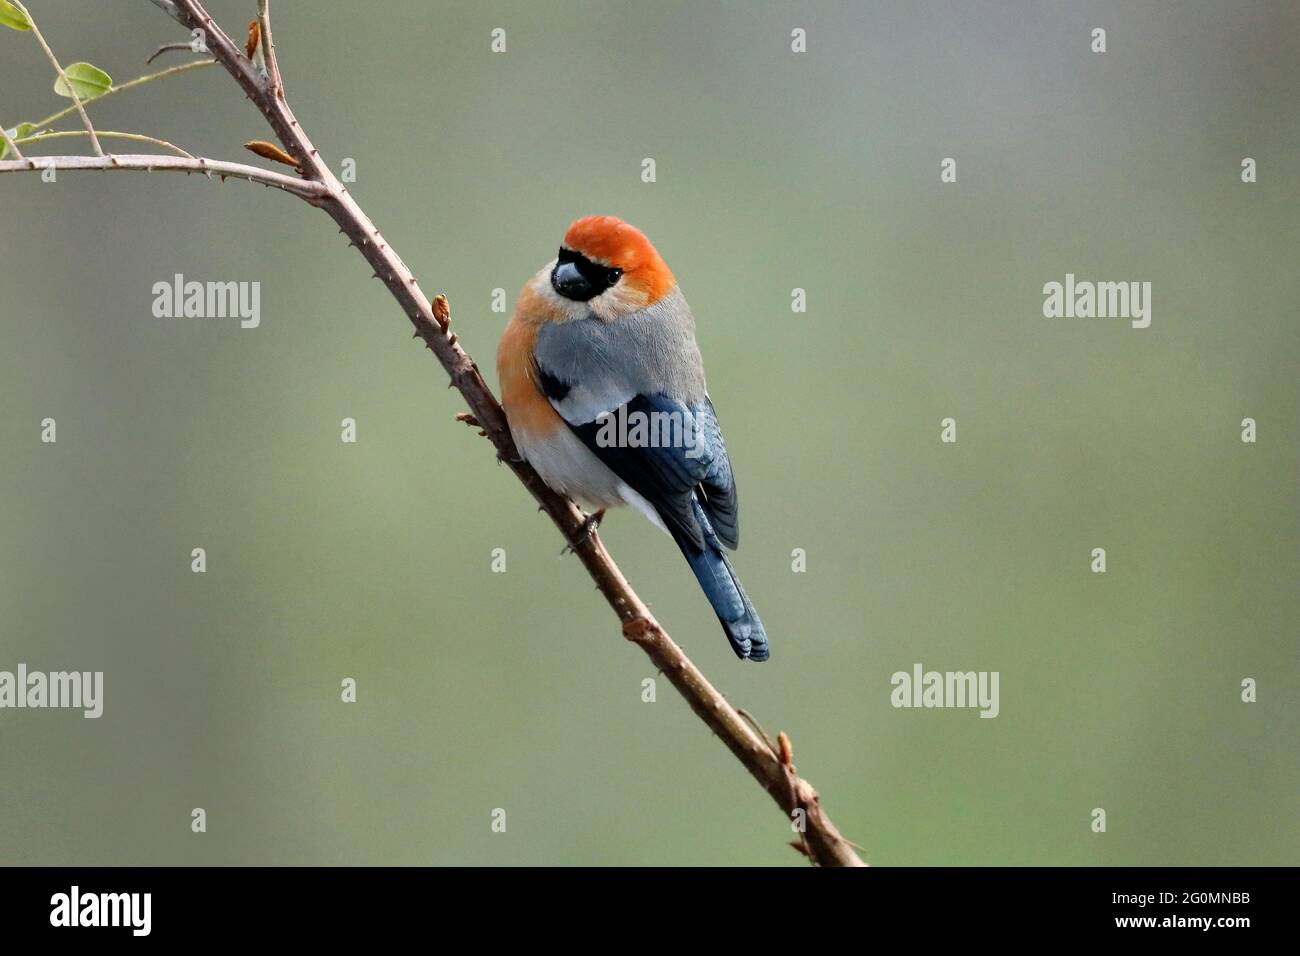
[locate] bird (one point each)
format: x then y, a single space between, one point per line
603 388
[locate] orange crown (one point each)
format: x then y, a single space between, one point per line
615 243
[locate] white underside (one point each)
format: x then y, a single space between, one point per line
570 467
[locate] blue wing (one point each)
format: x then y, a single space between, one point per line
690 485
680 463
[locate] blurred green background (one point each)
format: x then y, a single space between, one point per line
775 170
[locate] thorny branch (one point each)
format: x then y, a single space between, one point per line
158 163
770 764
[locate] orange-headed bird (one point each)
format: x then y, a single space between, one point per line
603 387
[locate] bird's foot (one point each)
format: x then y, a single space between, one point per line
591 522
589 525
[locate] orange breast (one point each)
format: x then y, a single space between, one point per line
527 409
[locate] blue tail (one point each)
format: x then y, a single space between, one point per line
735 610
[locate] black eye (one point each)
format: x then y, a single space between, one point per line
612 276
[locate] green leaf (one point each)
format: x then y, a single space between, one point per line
89 81
12 17
21 131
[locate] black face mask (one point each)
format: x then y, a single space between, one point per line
578 278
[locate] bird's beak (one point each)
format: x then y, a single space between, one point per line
570 283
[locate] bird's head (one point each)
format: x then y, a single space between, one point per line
607 267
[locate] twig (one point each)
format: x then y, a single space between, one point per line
132 84
72 90
314 193
268 47
168 48
107 134
823 841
